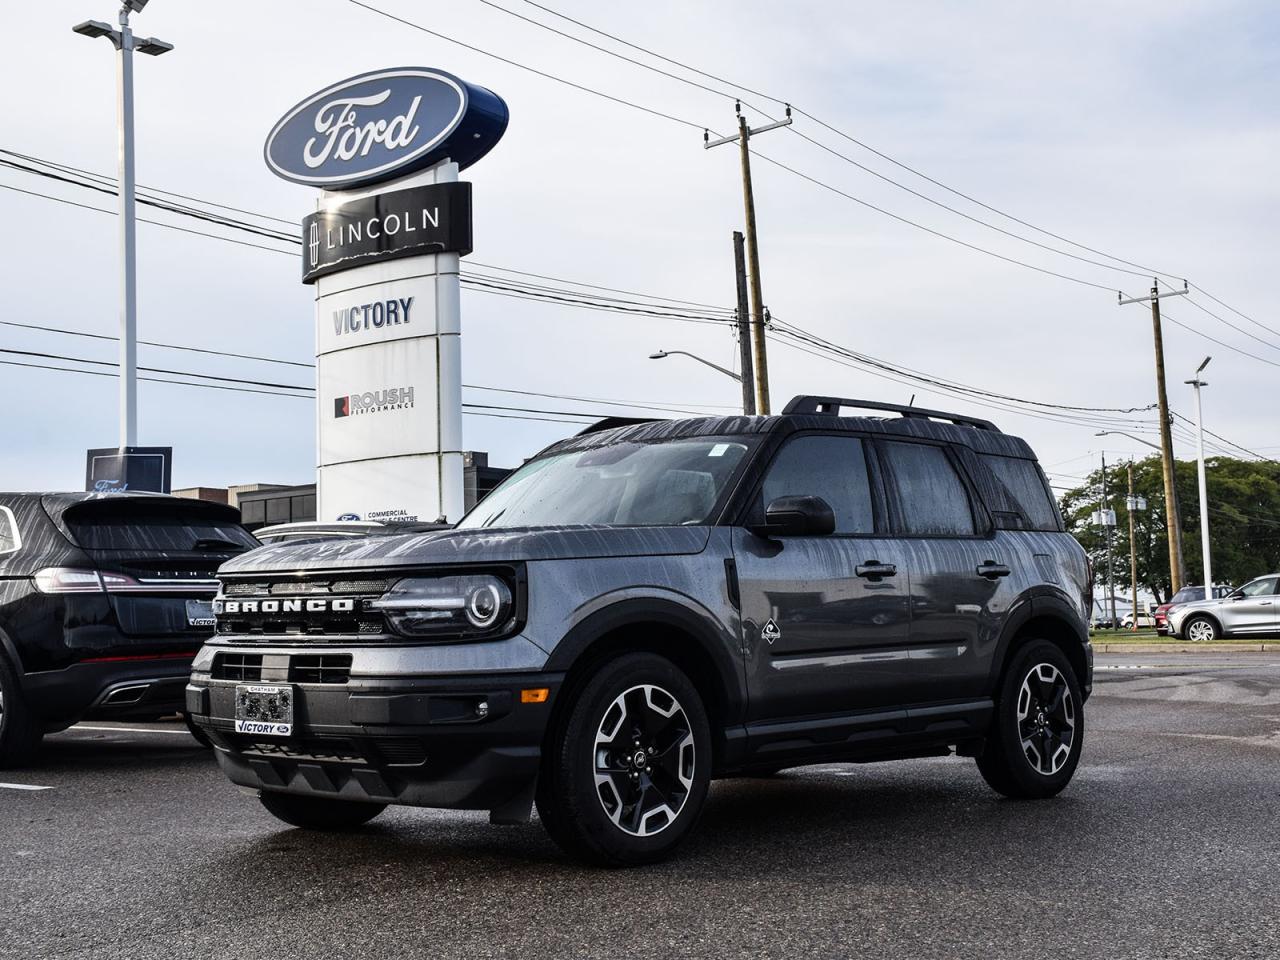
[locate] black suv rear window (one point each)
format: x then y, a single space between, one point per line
158 530
1025 484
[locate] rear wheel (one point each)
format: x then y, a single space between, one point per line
1200 629
319 813
19 734
627 770
1038 731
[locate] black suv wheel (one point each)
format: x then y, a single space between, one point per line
19 735
1038 729
626 772
320 813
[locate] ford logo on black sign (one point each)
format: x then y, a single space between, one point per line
385 124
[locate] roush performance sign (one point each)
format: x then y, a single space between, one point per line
402 223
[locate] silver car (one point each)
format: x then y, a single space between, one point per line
1253 610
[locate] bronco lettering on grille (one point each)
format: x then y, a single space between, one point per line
244 607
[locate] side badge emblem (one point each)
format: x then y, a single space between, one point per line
770 632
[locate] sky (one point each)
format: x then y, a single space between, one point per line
1146 130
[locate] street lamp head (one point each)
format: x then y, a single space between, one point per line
152 47
136 5
659 355
1200 369
93 28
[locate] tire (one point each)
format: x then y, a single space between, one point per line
197 732
319 813
20 735
1038 712
1201 629
626 770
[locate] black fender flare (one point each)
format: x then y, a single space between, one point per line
717 647
1044 604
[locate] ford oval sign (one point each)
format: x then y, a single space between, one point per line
384 124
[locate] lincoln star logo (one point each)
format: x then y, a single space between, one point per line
313 244
770 631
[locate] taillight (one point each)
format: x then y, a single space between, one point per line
73 580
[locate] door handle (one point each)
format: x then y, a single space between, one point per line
992 570
874 570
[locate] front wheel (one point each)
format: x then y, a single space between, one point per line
1038 730
1200 629
319 813
626 772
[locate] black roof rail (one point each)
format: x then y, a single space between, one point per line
832 405
608 423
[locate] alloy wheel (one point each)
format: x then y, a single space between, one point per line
1200 631
1046 719
644 760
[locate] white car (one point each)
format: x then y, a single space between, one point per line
1145 620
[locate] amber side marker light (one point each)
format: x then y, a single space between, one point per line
535 695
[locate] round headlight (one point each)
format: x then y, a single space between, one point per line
485 605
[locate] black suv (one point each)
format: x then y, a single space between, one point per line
104 600
650 605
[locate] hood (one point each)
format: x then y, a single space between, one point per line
1197 605
471 546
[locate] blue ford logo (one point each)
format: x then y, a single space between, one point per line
384 124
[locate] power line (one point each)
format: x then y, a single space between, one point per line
1226 322
1234 310
176 373
178 383
1222 343
521 66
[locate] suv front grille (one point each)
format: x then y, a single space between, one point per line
301 610
320 668
244 667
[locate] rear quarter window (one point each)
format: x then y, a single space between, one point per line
10 538
1025 484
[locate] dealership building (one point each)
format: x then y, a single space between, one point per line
266 504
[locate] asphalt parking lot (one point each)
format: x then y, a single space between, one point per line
1165 845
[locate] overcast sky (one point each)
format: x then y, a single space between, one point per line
1146 130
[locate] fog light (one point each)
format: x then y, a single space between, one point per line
482 709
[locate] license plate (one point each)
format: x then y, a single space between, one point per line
200 614
264 710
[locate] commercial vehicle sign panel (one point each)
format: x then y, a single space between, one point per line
384 124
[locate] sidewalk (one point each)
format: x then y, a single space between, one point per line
1182 646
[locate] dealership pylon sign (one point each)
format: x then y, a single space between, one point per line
382 251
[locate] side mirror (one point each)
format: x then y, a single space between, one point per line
796 517
1238 595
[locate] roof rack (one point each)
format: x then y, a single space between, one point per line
832 405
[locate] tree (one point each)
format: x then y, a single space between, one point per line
1244 520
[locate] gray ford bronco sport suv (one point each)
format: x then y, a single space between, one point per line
650 605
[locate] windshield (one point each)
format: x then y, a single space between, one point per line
622 485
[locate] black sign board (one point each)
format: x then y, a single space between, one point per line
114 470
402 223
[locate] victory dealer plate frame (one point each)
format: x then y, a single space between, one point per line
265 710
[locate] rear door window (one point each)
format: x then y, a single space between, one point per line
157 530
931 498
833 468
1025 484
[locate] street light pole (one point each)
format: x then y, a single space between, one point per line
1197 383
125 44
663 354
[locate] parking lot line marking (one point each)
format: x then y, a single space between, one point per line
22 786
172 733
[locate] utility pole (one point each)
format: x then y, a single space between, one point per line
1197 383
744 327
125 43
1177 570
1131 505
743 139
1108 521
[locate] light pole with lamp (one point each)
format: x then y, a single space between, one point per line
125 44
663 354
1197 383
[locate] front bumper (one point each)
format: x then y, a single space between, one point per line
415 740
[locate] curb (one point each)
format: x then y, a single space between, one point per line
1197 648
